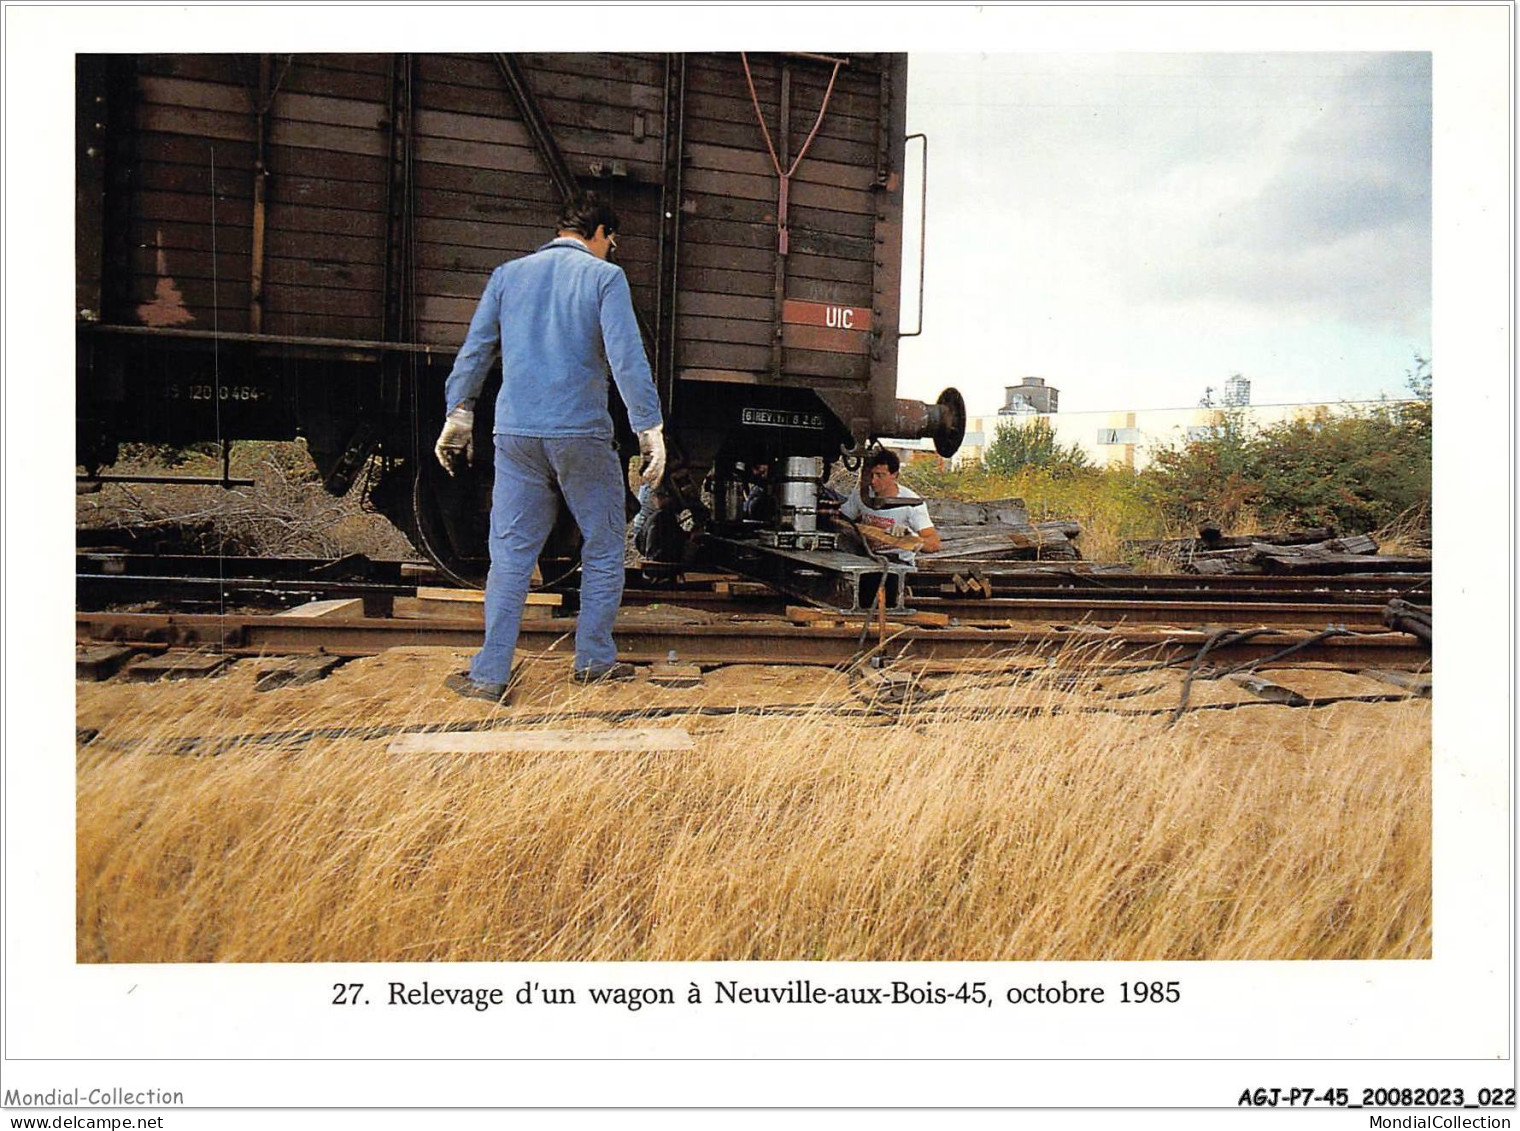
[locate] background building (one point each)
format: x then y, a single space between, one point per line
1031 394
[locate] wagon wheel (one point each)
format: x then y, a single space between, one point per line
451 515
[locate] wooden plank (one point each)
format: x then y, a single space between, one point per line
327 221
630 740
318 75
730 159
177 665
1325 562
804 193
176 263
193 208
285 243
717 131
353 114
712 281
1219 568
645 69
501 204
675 675
305 324
833 293
444 124
1008 512
761 235
720 376
207 68
722 356
581 101
531 192
479 155
232 181
195 94
471 602
100 662
619 110
293 671
331 273
840 366
509 239
337 167
718 88
697 304
348 302
727 209
806 615
370 142
236 241
741 588
194 294
731 330
323 192
763 259
337 608
822 338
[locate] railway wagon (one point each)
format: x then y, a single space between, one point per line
279 245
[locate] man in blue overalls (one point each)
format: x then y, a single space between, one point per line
561 317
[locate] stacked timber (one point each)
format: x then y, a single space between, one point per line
999 530
1299 552
1211 542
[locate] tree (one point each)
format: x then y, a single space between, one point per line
1016 446
1210 480
1355 470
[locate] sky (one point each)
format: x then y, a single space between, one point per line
1135 228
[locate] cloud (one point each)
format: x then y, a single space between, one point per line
1337 224
1135 226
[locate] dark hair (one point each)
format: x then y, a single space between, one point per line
584 212
883 456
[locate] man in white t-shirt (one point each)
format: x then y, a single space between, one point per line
879 477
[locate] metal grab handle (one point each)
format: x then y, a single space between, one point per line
923 231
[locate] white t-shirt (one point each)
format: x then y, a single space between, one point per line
916 517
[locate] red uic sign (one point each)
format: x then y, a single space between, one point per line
826 314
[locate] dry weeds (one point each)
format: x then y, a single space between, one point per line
285 511
966 828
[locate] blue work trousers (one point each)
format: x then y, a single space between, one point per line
524 505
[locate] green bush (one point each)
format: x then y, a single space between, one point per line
1354 469
1357 470
1019 444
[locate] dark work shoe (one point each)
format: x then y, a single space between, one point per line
460 683
614 673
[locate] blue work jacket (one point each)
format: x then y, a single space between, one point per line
562 318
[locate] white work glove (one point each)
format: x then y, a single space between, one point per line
652 453
900 529
458 436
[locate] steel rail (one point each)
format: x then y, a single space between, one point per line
926 582
749 641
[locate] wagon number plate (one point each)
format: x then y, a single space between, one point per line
781 418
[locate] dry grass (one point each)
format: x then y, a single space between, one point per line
285 512
1252 834
1408 534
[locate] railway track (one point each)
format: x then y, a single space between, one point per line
722 619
